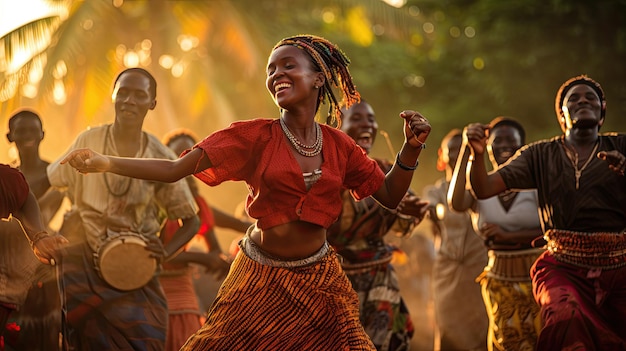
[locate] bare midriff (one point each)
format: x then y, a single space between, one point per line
291 241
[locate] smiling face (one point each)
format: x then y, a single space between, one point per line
504 140
359 122
291 79
26 131
581 108
132 98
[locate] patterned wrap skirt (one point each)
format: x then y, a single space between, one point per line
303 305
384 314
99 317
514 316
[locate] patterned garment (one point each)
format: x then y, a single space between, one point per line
183 307
263 308
177 283
102 318
383 312
515 318
581 307
358 238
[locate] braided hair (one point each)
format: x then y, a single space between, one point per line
333 63
582 79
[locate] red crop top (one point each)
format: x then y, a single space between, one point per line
257 152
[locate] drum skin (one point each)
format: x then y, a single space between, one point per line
124 263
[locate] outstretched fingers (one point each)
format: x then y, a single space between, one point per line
85 161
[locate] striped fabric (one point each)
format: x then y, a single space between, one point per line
262 308
183 307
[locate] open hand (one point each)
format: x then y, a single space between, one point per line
416 128
412 205
87 161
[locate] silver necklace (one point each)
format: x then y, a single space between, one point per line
303 149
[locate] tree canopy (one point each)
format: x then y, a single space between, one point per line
456 61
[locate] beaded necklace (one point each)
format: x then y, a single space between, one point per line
304 150
125 187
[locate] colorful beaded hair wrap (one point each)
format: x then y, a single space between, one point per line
333 63
582 79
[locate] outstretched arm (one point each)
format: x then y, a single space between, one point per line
459 198
398 179
162 170
484 185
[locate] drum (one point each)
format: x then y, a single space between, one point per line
124 263
512 265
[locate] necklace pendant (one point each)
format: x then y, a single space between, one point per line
578 174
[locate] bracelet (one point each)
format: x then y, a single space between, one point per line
422 144
405 167
38 236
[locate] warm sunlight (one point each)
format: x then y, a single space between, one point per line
14 14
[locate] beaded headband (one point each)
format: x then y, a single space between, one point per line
333 63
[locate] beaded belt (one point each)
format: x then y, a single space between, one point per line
513 265
362 267
588 250
252 250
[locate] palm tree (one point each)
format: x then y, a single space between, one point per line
207 56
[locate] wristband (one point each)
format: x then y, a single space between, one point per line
38 236
405 167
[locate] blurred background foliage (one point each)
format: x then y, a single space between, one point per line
456 61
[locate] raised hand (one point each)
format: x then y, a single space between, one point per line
87 161
615 159
476 135
416 128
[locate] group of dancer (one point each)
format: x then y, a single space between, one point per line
313 271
